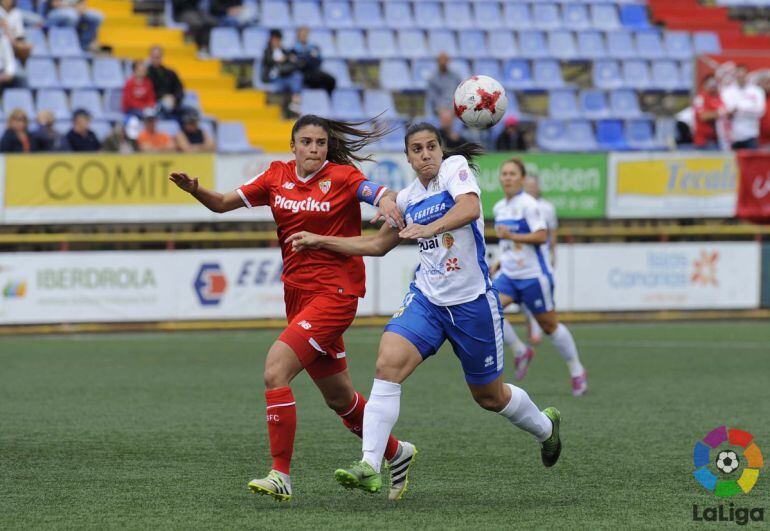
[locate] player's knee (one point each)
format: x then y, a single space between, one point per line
275 377
549 327
490 402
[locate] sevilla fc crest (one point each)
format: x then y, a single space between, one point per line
325 185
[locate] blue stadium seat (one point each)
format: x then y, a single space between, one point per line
113 100
593 104
108 73
351 45
346 104
590 45
101 129
561 45
458 15
379 102
687 69
640 134
610 136
461 67
307 14
473 44
665 132
337 14
580 136
487 15
636 74
254 41
517 74
666 76
634 16
545 16
562 105
42 73
502 45
398 15
367 14
547 74
339 70
620 45
649 45
442 41
170 127
678 45
551 135
75 73
191 99
428 14
382 43
316 101
605 17
394 140
36 37
231 138
277 13
62 126
18 98
607 75
532 44
226 44
491 68
576 17
64 42
624 104
411 43
89 100
517 16
394 75
706 42
324 39
54 100
422 71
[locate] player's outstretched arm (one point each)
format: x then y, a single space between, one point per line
214 201
534 238
375 245
388 210
466 210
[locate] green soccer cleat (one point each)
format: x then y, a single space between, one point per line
273 485
399 470
550 449
359 476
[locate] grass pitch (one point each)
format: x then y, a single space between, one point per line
165 430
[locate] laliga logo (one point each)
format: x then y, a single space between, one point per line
210 284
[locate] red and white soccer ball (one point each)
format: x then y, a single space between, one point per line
480 102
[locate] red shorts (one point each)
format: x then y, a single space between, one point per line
316 324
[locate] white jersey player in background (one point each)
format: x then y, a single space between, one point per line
451 298
525 272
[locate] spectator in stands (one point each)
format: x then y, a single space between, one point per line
150 139
80 137
17 138
199 22
169 91
511 138
449 134
233 13
764 124
191 138
138 92
75 14
745 103
309 62
441 87
8 68
279 67
708 109
12 24
48 138
123 137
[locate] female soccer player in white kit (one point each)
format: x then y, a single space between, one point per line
451 298
526 277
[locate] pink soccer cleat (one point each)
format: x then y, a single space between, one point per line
580 384
522 363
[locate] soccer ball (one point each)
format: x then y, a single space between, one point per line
480 102
727 461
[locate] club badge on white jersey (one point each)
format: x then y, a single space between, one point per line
452 267
522 215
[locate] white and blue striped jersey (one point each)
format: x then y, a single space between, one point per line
522 215
452 267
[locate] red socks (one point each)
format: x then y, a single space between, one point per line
353 418
281 426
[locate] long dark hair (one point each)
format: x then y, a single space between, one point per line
468 150
345 138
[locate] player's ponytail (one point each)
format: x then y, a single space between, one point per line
469 150
345 138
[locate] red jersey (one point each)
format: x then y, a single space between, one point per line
138 95
326 203
705 130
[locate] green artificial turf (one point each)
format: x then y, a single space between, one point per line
164 430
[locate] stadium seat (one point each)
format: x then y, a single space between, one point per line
231 138
491 68
113 100
547 74
636 74
593 104
75 73
590 45
378 102
42 73
551 135
516 74
346 104
634 16
609 135
665 133
545 16
532 45
706 42
678 45
576 17
458 15
428 14
502 45
649 45
62 126
620 45
89 100
39 42
382 43
562 105
517 16
351 45
339 70
473 44
254 41
442 41
487 15
561 45
108 73
54 100
640 134
170 127
306 13
580 136
624 104
422 71
18 98
394 140
394 75
337 14
324 39
411 44
101 129
64 42
277 13
666 76
226 44
398 15
605 17
316 101
190 99
607 75
367 15
687 70
461 67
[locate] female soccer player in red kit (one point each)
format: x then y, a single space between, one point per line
318 191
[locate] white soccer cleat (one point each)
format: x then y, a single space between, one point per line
275 484
399 470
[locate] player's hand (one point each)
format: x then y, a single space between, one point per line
184 181
303 240
415 231
503 232
388 210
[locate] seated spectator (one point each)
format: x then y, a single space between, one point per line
75 14
233 13
48 138
449 134
745 103
441 86
9 77
16 138
191 138
764 124
80 138
12 24
151 140
280 68
168 88
138 93
123 137
511 138
708 109
309 63
199 23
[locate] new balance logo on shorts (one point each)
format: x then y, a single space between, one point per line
305 325
489 361
306 205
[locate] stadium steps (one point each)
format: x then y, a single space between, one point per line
130 37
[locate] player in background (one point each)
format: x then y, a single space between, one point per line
526 277
320 190
451 298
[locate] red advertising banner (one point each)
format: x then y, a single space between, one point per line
754 187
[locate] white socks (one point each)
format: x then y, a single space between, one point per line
523 413
512 340
380 415
562 340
